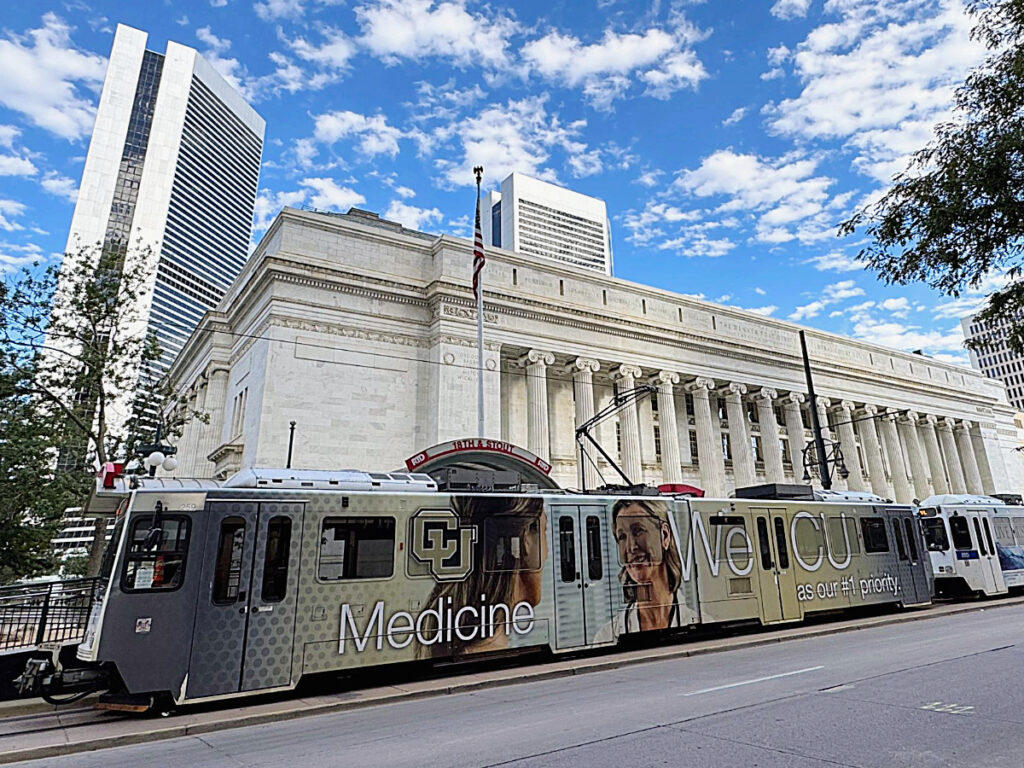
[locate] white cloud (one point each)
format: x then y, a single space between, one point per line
836 261
417 29
40 75
10 209
831 294
735 116
766 311
586 163
878 78
898 306
760 291
412 217
649 178
662 59
327 195
515 136
61 186
785 191
8 133
11 165
957 308
218 3
694 242
13 257
271 10
373 135
268 203
405 192
790 9
334 52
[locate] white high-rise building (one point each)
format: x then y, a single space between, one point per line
173 165
534 217
995 359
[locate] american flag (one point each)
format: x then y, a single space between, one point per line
478 250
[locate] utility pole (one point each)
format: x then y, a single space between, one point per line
819 440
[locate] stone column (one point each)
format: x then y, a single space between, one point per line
630 425
981 456
605 431
770 435
795 432
671 471
848 440
583 370
908 434
823 405
972 475
739 436
536 363
191 436
957 484
709 439
934 453
903 491
868 428
515 411
213 434
682 428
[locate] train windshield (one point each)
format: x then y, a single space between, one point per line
935 534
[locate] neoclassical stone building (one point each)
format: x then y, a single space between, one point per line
363 334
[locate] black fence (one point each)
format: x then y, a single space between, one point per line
55 612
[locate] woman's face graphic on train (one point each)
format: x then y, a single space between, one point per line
642 540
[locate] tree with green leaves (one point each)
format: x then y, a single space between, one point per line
955 217
79 363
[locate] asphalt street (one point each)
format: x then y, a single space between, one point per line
942 692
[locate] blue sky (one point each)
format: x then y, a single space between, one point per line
728 138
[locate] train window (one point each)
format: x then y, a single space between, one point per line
1004 531
780 542
595 566
159 567
227 572
897 534
1018 530
567 547
357 548
935 534
763 546
275 559
908 526
981 541
961 532
512 543
875 540
808 538
842 537
988 536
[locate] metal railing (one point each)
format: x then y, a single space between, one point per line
54 612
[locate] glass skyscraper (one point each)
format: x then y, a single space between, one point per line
173 166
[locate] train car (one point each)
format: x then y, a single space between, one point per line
958 530
225 590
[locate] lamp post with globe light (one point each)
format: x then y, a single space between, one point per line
156 454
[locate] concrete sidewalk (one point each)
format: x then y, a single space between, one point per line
26 736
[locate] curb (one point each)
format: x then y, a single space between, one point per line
547 671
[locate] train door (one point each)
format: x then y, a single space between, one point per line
244 622
585 573
907 556
920 563
976 560
776 575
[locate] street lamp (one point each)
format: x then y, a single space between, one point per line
156 454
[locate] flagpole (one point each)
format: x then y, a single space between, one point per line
479 288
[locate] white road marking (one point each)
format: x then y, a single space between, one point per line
756 680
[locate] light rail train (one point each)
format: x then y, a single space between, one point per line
975 543
217 590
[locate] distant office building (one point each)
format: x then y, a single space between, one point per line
534 217
996 360
173 165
